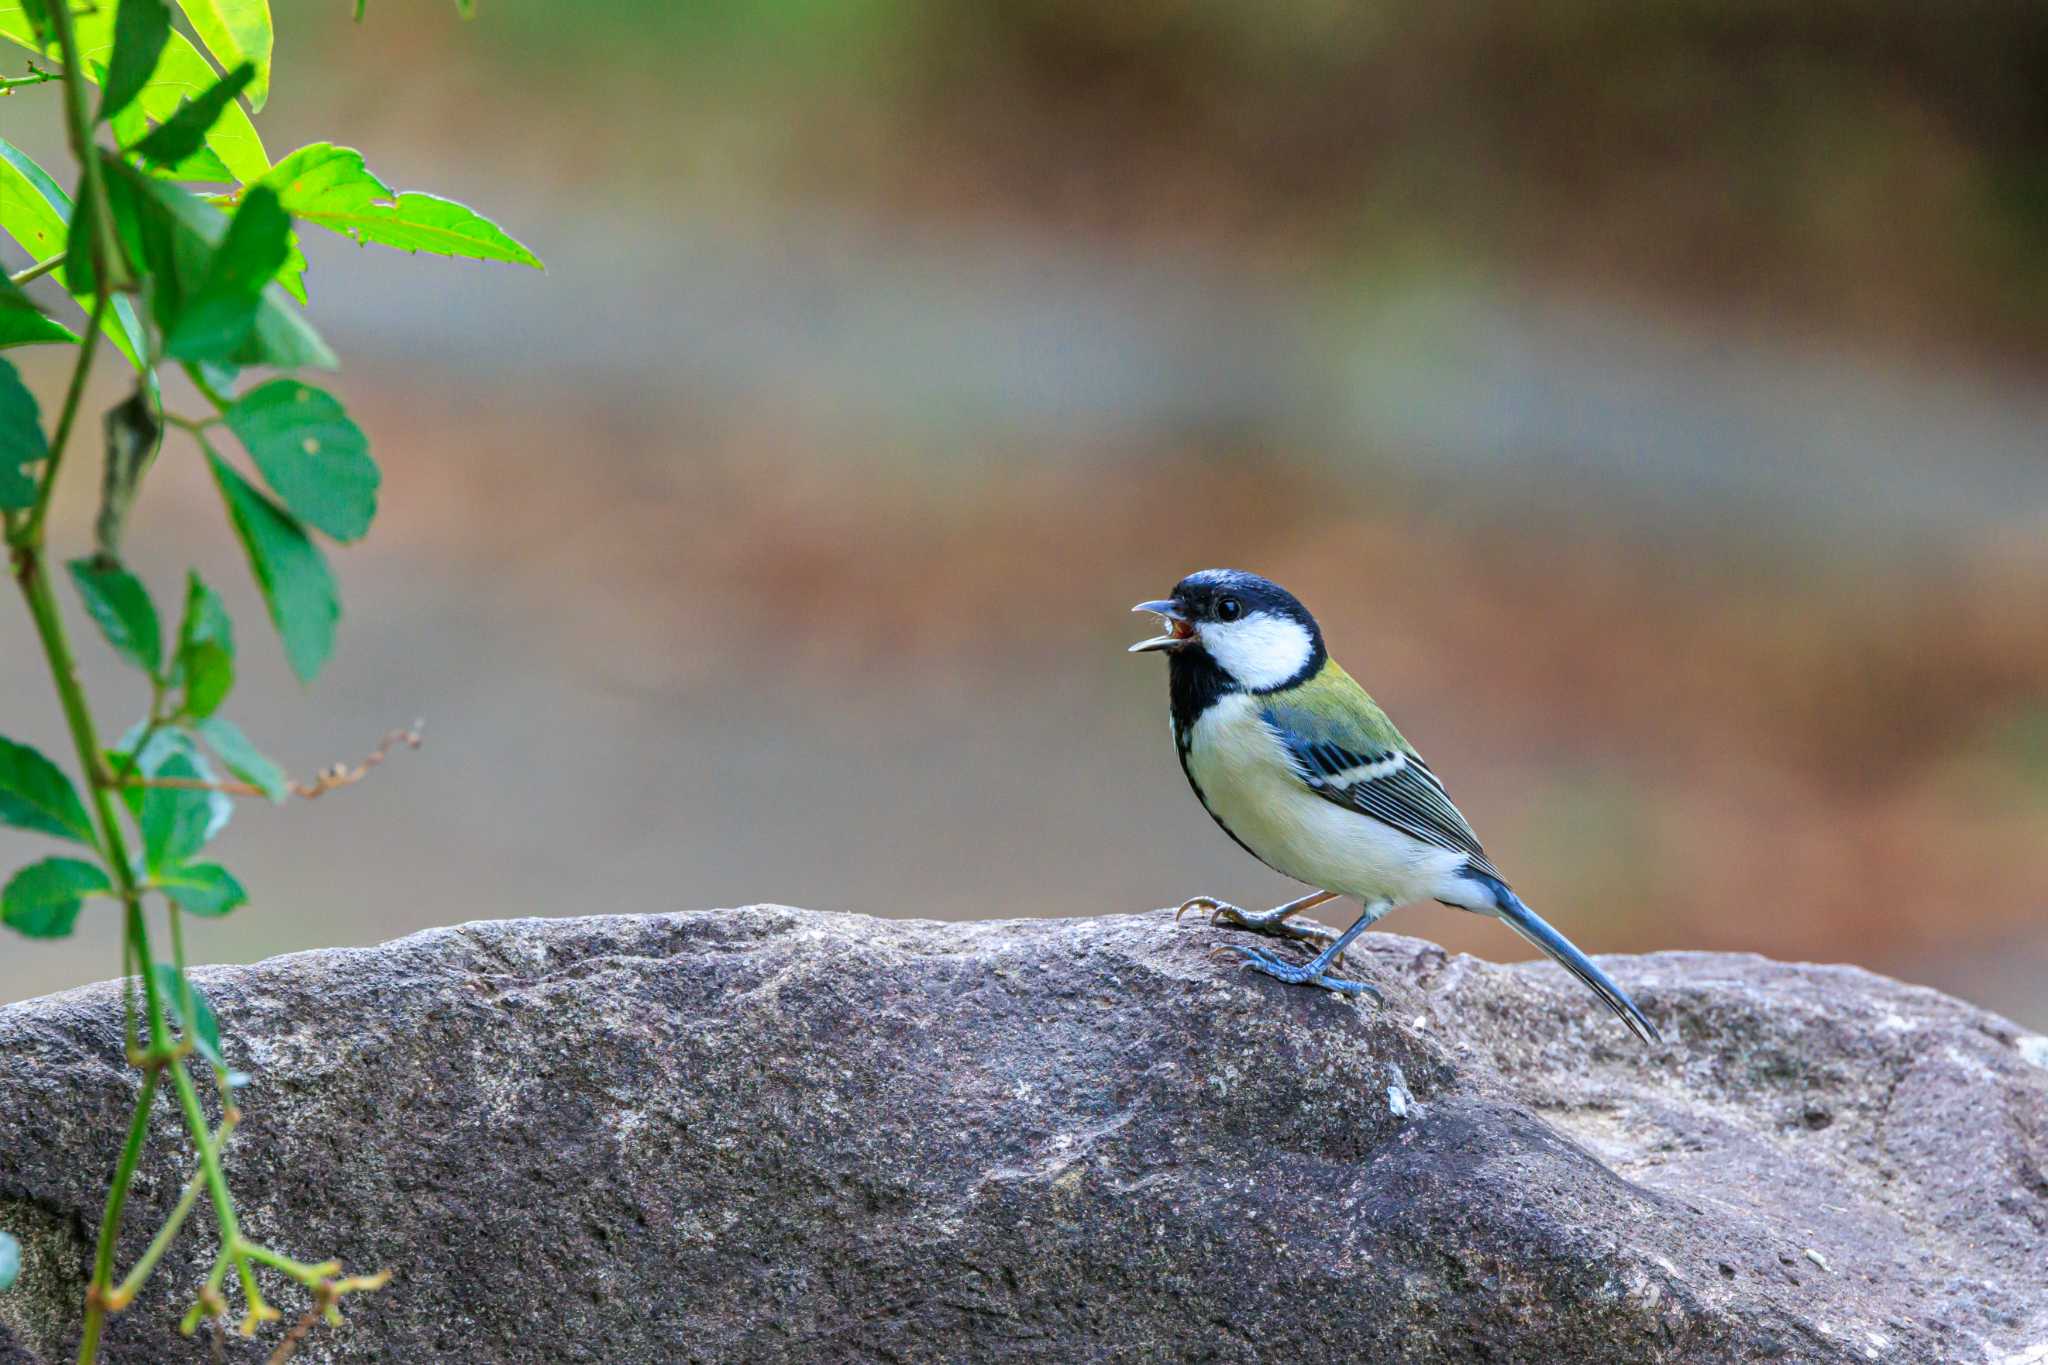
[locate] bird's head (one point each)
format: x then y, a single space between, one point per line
1250 627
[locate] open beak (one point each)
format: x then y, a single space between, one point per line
1178 629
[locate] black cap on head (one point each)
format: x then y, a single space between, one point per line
1225 594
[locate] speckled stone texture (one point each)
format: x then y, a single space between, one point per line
776 1135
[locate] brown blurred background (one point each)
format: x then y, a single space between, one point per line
1649 399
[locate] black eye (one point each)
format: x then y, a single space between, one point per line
1229 609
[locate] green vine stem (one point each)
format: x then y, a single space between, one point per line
139 1273
36 271
31 573
164 1015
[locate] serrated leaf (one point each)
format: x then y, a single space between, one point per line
202 888
43 899
311 455
10 1261
184 132
175 820
182 73
289 568
205 666
330 186
23 324
141 30
244 759
36 214
217 318
21 440
293 276
119 605
36 795
204 1027
236 31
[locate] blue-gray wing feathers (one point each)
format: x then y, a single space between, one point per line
1392 785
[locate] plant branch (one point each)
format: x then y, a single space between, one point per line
30 530
121 1297
232 1246
328 779
37 271
35 76
32 576
97 1305
112 271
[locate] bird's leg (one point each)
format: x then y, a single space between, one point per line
1266 921
1312 974
1272 921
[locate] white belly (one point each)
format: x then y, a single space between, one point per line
1247 781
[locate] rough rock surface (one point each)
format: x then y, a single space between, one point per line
770 1134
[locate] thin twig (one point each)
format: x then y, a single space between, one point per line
35 76
37 271
290 1345
328 779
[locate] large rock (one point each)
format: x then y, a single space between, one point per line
769 1134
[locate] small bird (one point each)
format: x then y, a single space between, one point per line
1305 771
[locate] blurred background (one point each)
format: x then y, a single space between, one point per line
1652 402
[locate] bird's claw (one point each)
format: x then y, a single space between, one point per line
1261 961
1216 908
1266 922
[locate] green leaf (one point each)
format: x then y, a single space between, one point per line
21 440
203 888
43 899
293 276
243 759
177 233
35 794
311 455
119 605
175 821
202 165
184 132
10 1261
235 31
164 746
141 29
22 323
217 319
38 15
35 213
181 74
330 186
289 568
205 666
204 1027
129 124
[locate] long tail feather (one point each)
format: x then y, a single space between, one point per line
1534 928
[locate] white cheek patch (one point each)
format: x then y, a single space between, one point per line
1260 651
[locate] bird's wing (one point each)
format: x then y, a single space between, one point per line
1359 761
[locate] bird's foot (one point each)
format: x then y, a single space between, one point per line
1261 961
1272 921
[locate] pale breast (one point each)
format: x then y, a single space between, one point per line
1246 780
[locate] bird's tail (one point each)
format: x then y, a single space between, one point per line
1534 928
